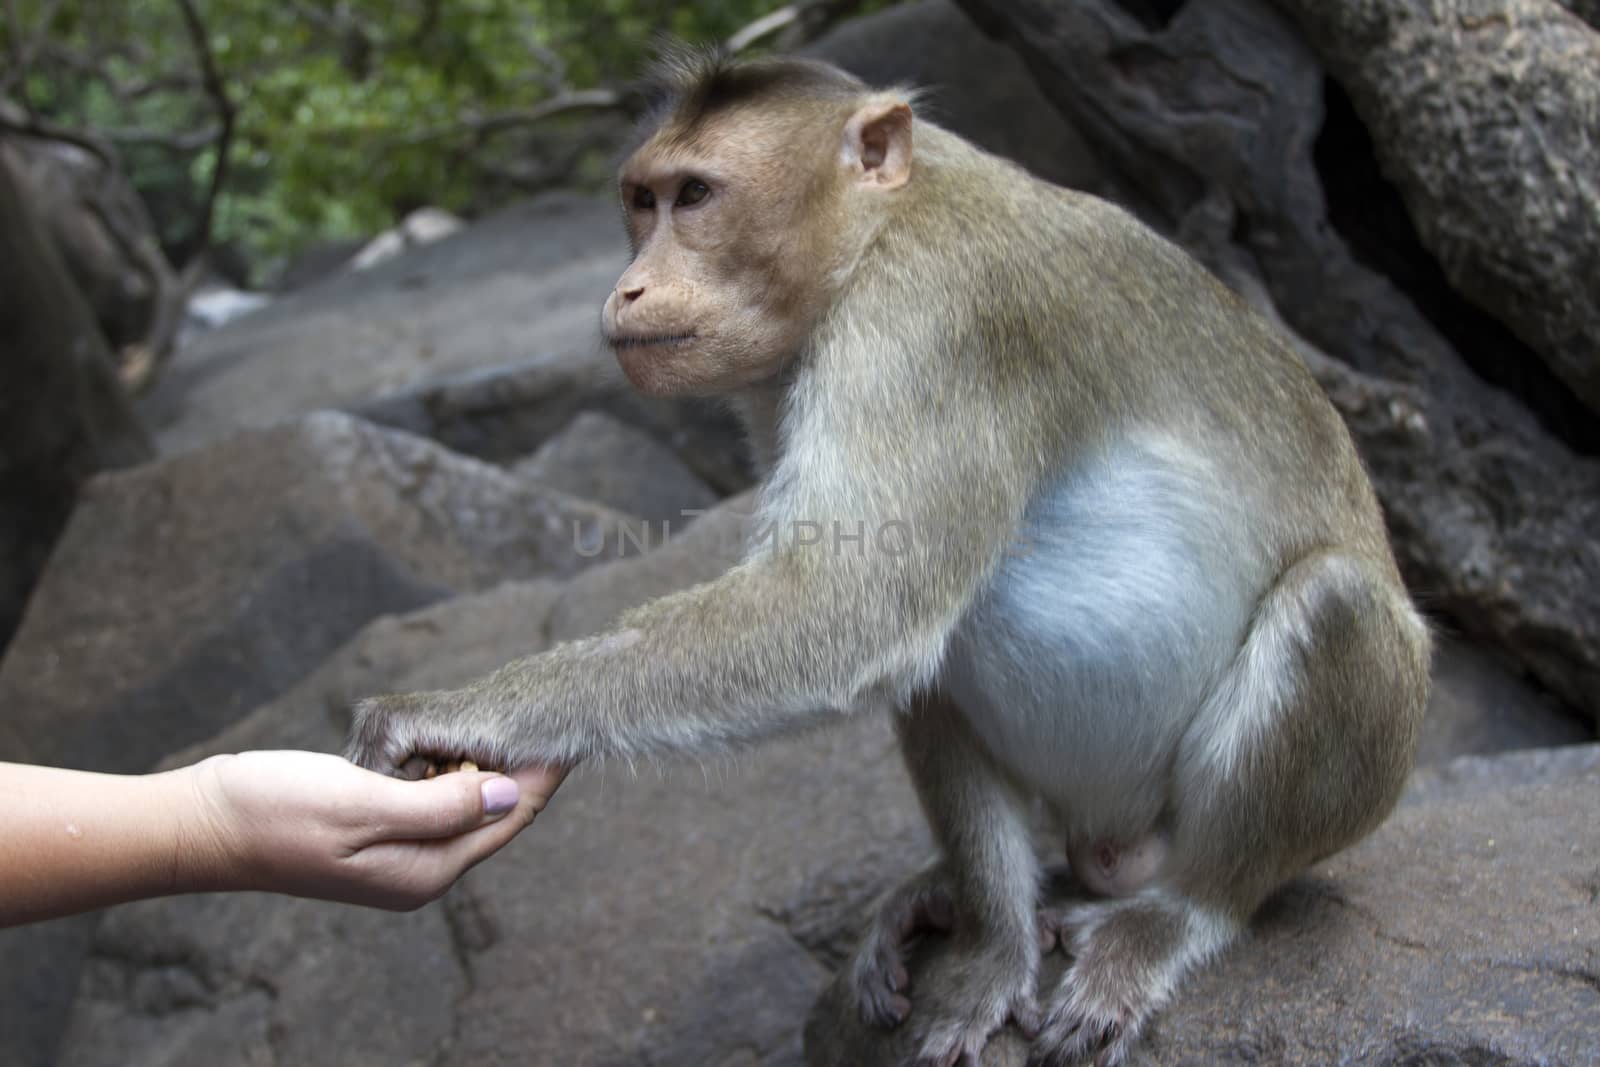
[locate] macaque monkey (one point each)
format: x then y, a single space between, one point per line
1092 535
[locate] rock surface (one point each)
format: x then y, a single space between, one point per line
524 285
1479 707
1432 942
600 459
188 591
503 413
421 227
1485 114
971 85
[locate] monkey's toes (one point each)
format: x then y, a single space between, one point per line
1079 1028
879 989
1072 1041
989 989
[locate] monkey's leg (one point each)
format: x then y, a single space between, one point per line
990 874
1302 749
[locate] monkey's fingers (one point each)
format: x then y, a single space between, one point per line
403 735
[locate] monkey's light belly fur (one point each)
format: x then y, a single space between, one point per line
1128 605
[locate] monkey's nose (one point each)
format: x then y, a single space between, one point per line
632 294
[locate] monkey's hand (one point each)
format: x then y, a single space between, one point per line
406 734
385 733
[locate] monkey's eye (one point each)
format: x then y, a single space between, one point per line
643 199
694 190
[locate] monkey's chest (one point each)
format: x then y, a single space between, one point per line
1086 658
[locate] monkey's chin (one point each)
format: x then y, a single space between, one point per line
663 367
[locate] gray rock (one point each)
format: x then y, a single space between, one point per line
1485 115
1466 777
314 263
503 413
600 459
1587 10
1479 707
523 285
421 227
969 84
673 917
186 592
1211 119
1463 932
218 304
167 986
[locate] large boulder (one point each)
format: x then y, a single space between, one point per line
609 462
503 413
522 285
1485 115
1478 707
186 592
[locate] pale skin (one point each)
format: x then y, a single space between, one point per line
302 823
1204 664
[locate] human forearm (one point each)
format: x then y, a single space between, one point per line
304 823
73 840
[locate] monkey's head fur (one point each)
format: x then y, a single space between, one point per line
753 189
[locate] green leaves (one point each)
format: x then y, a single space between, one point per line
331 95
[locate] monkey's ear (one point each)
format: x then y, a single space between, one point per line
877 144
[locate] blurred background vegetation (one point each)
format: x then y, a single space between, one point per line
345 114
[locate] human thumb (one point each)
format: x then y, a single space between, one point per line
499 795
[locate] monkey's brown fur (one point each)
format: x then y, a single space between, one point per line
1146 577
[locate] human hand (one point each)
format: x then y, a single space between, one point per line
313 825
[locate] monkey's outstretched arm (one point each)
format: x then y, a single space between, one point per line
796 631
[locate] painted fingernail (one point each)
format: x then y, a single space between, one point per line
499 796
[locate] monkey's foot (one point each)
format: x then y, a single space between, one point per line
1128 957
977 995
878 978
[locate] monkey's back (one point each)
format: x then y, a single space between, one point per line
1069 306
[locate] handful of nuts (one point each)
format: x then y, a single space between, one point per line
433 770
430 767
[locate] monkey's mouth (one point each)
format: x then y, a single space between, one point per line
622 341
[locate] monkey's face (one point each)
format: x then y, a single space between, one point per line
734 236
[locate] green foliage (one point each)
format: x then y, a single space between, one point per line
349 112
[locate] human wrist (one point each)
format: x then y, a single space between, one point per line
205 844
